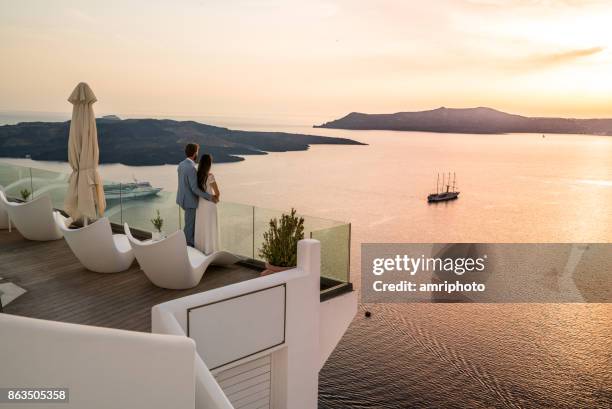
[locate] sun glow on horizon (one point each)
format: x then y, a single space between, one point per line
322 58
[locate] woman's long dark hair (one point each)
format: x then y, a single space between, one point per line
203 170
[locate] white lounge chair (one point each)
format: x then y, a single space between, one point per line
33 219
5 222
170 263
96 247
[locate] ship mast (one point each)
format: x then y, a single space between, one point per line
443 176
438 184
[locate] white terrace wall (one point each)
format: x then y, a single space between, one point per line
257 324
102 368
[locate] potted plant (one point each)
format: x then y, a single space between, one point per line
158 224
25 193
279 248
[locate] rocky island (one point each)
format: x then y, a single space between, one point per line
469 120
139 142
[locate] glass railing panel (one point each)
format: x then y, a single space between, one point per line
138 212
334 237
52 184
241 226
312 224
335 252
236 228
113 202
14 179
261 225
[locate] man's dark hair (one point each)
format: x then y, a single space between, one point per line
191 149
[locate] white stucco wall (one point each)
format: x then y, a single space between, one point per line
102 368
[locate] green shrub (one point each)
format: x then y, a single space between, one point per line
25 193
158 222
280 241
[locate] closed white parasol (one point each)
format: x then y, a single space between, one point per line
85 195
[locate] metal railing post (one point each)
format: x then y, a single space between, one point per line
31 183
348 262
253 253
121 203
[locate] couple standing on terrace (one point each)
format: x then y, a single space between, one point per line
198 195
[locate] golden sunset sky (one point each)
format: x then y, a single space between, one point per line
320 58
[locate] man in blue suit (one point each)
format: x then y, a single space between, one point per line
189 192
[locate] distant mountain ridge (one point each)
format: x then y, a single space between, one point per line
469 120
141 142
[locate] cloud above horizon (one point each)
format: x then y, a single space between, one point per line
323 57
565 56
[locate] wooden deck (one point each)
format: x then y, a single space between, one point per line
59 288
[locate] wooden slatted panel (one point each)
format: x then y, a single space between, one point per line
248 386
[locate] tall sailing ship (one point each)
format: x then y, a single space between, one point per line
450 193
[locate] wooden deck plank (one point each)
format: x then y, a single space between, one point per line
61 289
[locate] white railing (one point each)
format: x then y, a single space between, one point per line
301 330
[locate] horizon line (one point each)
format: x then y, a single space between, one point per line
68 114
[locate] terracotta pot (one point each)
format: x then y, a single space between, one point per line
270 269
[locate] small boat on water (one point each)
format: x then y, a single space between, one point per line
450 193
129 191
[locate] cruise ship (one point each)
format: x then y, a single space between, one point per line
224 337
128 191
